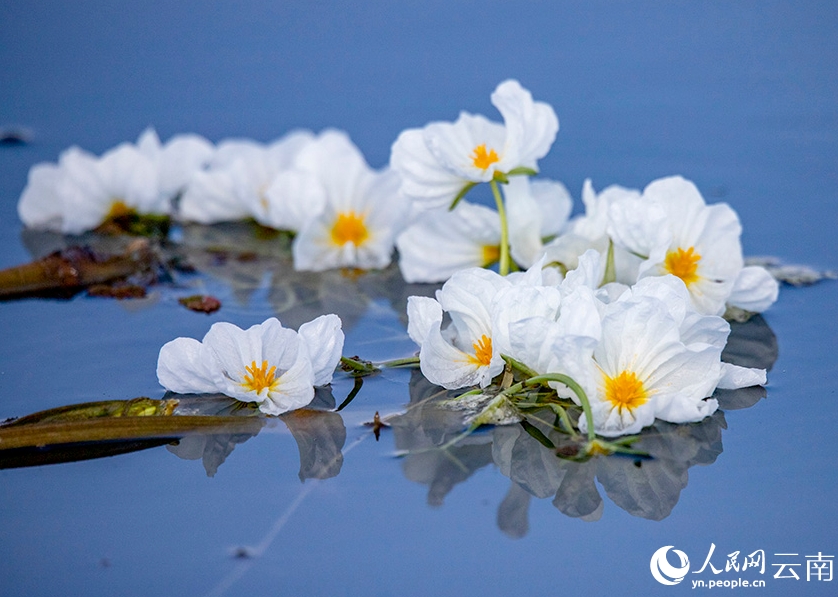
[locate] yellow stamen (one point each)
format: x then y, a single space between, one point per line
483 159
482 351
119 210
625 391
258 378
683 264
349 227
491 253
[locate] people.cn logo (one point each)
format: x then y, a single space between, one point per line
664 572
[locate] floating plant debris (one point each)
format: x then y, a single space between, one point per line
72 269
201 303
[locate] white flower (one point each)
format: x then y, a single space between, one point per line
442 159
644 370
591 231
238 179
463 354
536 210
659 358
443 242
681 235
363 209
268 364
83 191
176 161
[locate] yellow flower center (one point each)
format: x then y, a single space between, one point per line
625 391
483 159
349 227
257 379
120 210
683 264
482 351
491 253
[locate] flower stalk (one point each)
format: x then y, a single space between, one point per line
504 265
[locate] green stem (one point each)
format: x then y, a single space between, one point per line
461 194
503 268
576 388
357 367
522 170
359 382
406 362
563 416
518 366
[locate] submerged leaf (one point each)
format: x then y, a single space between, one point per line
95 429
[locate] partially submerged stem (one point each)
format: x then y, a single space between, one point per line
561 413
359 382
406 362
522 170
357 367
503 267
576 388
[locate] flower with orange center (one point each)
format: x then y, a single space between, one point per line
481 158
362 212
465 353
482 351
683 264
443 160
268 364
83 191
256 379
120 210
349 227
625 391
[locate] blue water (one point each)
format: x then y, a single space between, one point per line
739 98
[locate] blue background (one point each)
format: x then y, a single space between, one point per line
740 98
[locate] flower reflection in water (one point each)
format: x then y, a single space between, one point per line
319 432
647 487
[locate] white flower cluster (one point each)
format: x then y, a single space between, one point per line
345 214
622 302
82 191
666 229
640 353
268 364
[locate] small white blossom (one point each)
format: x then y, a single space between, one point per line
679 234
443 242
363 211
440 160
268 364
176 161
238 179
463 354
83 191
